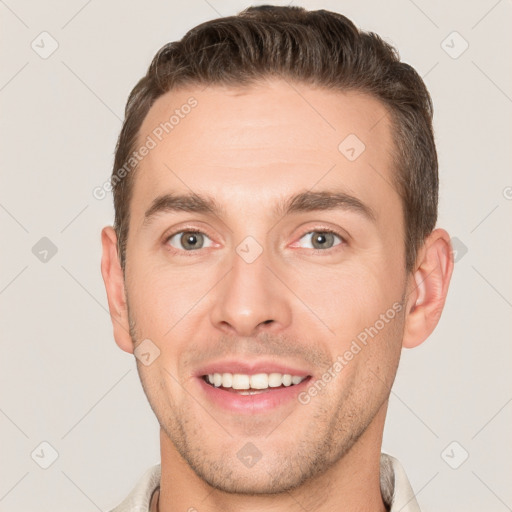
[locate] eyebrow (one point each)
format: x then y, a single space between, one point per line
307 201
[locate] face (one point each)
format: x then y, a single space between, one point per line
298 303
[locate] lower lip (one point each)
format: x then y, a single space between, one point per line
250 404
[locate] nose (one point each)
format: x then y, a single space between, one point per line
251 299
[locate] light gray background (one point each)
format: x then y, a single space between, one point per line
63 379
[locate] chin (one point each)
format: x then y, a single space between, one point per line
253 481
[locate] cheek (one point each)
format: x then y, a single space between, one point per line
161 388
160 297
349 298
367 349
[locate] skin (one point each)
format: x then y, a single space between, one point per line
249 148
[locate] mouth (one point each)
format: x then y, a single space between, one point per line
253 392
246 384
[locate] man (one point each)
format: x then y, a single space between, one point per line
275 189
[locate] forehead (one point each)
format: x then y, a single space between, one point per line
253 143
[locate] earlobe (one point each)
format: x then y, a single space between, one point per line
428 288
114 284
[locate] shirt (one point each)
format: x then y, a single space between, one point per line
395 488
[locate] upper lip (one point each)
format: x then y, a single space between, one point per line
250 367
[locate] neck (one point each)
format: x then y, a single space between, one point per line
352 484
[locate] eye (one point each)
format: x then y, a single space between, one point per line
189 240
322 240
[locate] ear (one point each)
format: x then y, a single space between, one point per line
428 287
114 284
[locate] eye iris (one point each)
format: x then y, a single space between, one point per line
190 240
322 238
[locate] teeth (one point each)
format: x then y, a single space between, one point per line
257 381
287 380
240 381
227 380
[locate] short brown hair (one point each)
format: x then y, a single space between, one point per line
320 48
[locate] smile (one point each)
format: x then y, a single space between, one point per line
252 393
246 384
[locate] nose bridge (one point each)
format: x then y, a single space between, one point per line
250 295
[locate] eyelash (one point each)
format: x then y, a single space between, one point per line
183 252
